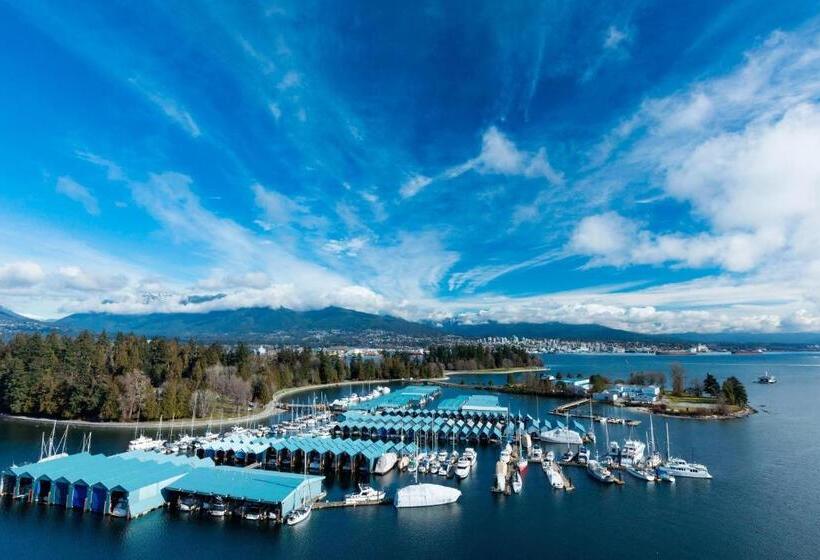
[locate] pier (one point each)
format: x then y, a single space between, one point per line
327 504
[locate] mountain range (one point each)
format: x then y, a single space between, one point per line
336 325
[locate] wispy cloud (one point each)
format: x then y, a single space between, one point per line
77 192
172 109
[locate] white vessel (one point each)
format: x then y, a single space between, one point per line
599 472
631 453
385 463
536 454
365 495
188 503
517 482
554 475
425 495
561 435
583 455
253 513
298 515
218 508
463 468
471 455
642 473
120 509
679 467
144 443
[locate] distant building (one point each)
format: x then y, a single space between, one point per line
644 394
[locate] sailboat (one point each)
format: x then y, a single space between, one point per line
49 450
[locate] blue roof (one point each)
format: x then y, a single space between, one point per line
242 484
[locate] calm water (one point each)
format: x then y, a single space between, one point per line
763 502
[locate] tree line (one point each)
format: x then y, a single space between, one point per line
477 356
128 377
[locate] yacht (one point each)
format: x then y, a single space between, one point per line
599 472
298 515
442 469
568 456
631 453
536 454
144 443
561 435
365 495
583 455
463 468
517 482
385 463
550 456
424 495
643 473
767 379
679 467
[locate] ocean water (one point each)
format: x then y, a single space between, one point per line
763 502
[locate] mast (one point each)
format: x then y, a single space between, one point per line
668 445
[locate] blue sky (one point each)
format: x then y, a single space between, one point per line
650 166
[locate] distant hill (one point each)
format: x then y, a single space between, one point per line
336 325
251 324
11 322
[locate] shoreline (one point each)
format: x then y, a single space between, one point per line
272 408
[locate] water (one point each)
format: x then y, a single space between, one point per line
762 503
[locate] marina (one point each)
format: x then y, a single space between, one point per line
422 436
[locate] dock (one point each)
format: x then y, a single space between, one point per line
328 504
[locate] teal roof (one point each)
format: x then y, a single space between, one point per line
244 484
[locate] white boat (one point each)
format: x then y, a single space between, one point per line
442 469
583 455
517 482
679 467
522 464
298 515
404 462
412 465
425 495
642 473
365 495
253 513
505 456
463 468
471 455
664 476
599 472
676 466
568 456
536 454
561 435
188 503
120 509
385 463
217 508
554 475
631 453
441 457
550 456
144 443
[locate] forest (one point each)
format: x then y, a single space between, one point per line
128 377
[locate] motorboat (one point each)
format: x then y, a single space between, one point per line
642 473
298 515
536 454
550 456
386 462
583 455
412 465
404 462
517 482
365 495
217 508
679 467
425 495
555 476
120 509
442 469
568 456
599 472
253 513
561 435
188 503
471 455
145 443
463 468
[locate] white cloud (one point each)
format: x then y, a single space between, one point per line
614 37
414 185
281 210
348 247
21 274
500 155
172 109
77 192
290 80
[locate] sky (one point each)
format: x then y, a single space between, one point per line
652 166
